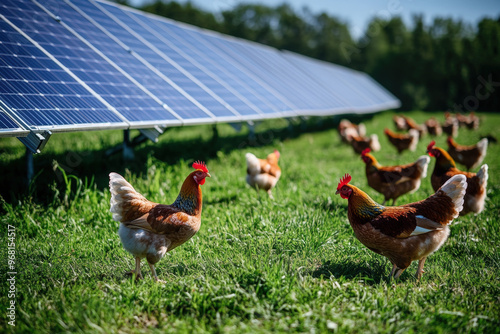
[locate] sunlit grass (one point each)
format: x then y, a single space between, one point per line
257 265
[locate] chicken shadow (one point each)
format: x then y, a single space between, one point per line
370 273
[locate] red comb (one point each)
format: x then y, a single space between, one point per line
343 181
365 151
277 153
200 165
431 145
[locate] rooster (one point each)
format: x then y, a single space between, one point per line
149 230
403 142
263 173
404 233
445 169
469 156
347 130
433 127
394 181
359 144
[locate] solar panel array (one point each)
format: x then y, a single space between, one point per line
84 64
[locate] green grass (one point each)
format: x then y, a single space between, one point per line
256 265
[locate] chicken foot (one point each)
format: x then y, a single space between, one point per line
153 272
420 269
137 270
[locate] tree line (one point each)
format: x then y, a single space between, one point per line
444 65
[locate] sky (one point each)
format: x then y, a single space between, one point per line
357 13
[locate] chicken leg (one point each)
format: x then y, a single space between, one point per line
420 268
137 270
153 272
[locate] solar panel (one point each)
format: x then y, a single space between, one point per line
110 84
199 74
158 32
184 78
349 85
182 106
89 64
267 63
40 93
9 128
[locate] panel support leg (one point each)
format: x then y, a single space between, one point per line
128 152
215 133
30 170
128 144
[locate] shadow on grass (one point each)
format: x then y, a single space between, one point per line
370 273
95 164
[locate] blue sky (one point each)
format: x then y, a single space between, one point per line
358 12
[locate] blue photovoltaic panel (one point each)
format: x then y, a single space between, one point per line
163 45
196 48
101 65
10 128
6 122
376 92
169 70
136 69
127 98
339 81
269 65
38 91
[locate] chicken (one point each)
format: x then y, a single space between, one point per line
403 142
413 125
400 123
470 121
347 130
450 125
394 181
263 173
433 127
404 233
445 169
359 144
149 230
469 156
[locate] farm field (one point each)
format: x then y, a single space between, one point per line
257 265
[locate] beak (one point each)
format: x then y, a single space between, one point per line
208 174
337 192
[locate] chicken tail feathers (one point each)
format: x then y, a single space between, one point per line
126 203
414 139
361 129
422 164
253 164
374 143
454 189
482 175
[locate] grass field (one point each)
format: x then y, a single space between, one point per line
256 265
